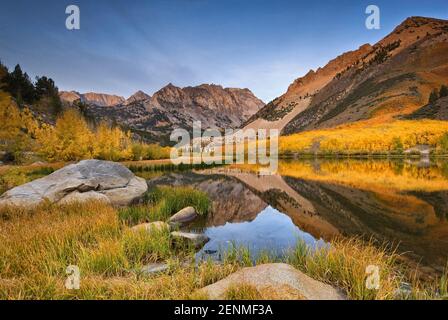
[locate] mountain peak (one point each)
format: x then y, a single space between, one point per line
214 105
103 99
170 85
210 86
418 21
99 99
168 88
404 35
311 82
381 81
412 30
138 96
69 96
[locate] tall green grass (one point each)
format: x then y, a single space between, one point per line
164 167
160 203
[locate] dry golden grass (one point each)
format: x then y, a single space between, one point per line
344 264
50 238
38 245
243 292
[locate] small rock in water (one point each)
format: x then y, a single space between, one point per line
196 239
404 290
183 216
210 251
154 268
151 226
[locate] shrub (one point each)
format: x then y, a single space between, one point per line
16 176
397 146
443 144
12 178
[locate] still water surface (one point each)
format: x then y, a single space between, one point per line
399 202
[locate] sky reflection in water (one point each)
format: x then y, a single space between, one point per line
270 232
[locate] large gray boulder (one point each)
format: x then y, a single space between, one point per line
87 180
277 281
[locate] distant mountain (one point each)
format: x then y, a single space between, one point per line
154 118
99 99
213 105
378 83
139 96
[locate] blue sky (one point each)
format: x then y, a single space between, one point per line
125 46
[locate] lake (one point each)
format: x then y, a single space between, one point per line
403 203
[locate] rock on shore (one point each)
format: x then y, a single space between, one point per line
87 180
274 281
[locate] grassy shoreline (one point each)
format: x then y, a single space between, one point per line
38 245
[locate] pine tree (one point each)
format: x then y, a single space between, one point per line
443 91
433 96
3 73
45 87
20 86
48 94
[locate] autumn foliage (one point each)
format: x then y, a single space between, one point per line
386 138
71 138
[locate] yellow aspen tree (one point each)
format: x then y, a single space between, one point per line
73 137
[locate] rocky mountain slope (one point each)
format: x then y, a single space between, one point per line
99 99
438 111
373 83
154 118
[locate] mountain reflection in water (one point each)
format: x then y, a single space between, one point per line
398 202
